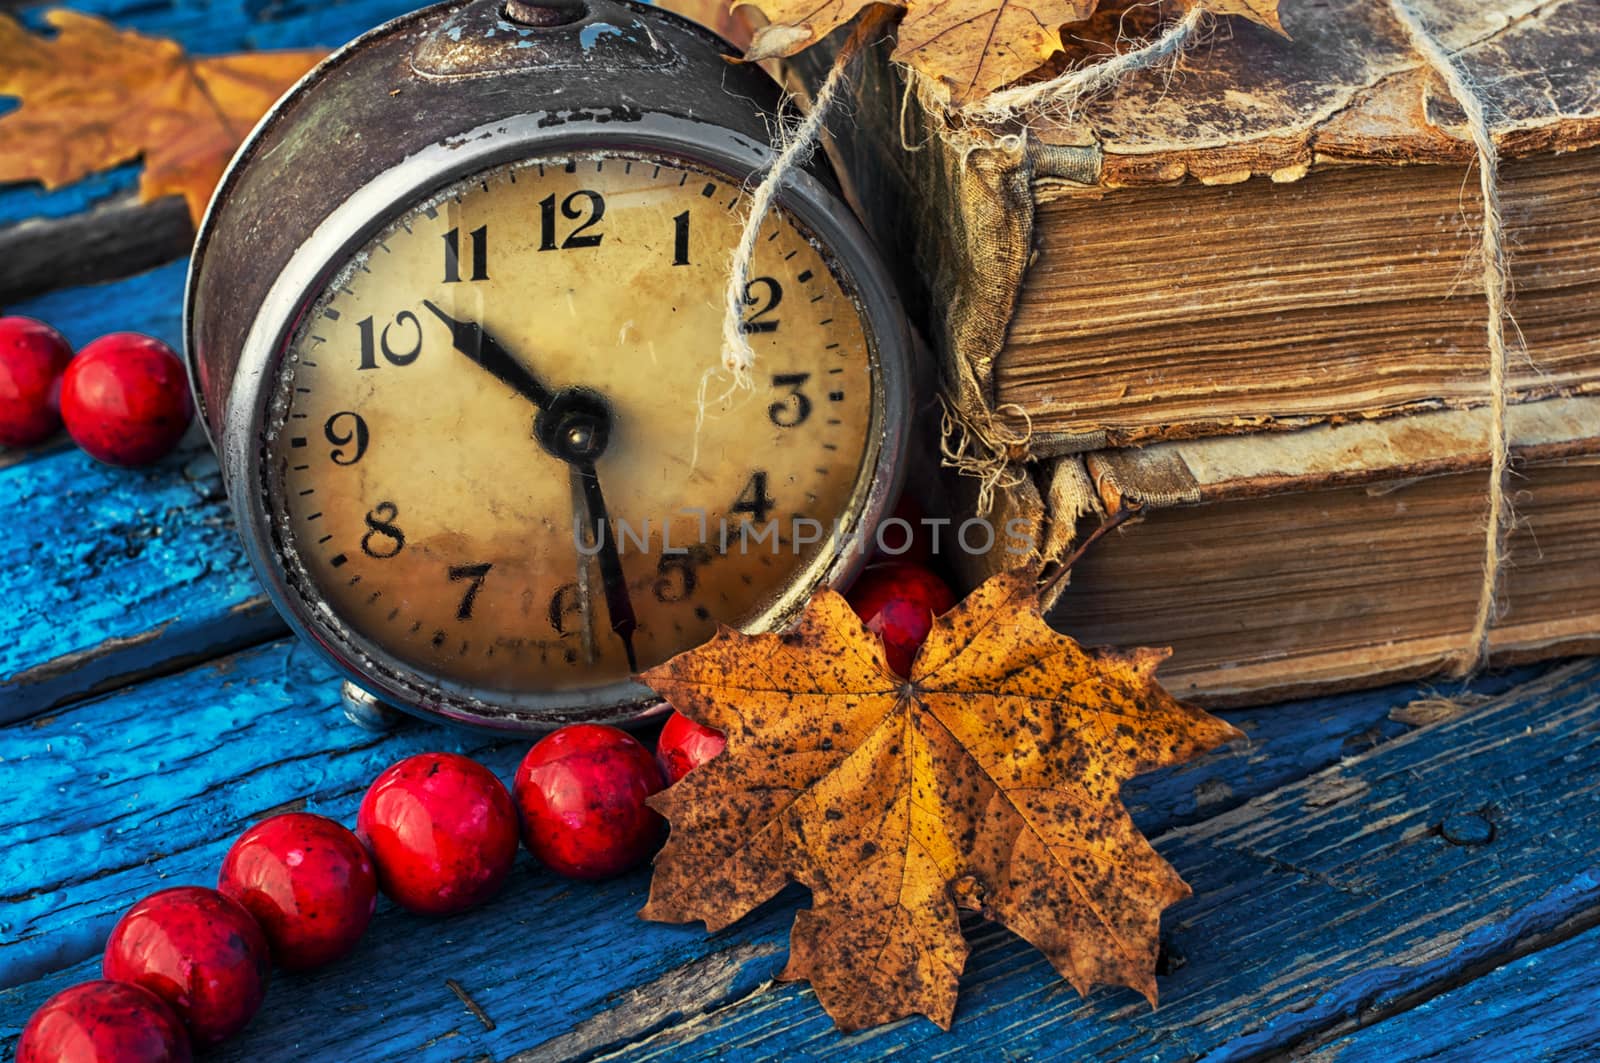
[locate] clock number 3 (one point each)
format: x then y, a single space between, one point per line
384 539
474 575
794 409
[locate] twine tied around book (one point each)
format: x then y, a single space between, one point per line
1496 289
1067 92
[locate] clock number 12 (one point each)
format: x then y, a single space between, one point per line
572 209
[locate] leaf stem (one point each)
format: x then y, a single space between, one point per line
1115 520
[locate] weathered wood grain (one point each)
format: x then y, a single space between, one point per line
147 787
1543 1007
113 238
111 574
1314 902
110 799
149 302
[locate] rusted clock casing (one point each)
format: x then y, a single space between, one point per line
402 112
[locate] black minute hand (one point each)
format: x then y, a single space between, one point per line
470 339
618 605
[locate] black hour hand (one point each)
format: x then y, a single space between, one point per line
470 339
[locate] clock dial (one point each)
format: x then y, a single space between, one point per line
496 452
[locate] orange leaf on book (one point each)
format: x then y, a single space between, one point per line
968 47
95 96
989 779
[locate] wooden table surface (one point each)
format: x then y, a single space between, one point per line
1368 885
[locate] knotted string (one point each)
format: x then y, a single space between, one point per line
1067 92
1496 288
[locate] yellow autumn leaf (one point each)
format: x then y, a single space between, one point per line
990 779
95 96
969 47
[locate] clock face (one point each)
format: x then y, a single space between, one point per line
496 453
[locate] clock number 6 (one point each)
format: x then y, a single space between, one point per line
384 539
371 342
358 435
793 411
475 575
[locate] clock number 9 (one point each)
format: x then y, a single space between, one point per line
774 295
384 539
794 410
573 212
358 435
370 341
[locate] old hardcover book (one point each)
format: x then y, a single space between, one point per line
1272 234
1341 555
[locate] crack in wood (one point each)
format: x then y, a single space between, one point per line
472 1005
692 989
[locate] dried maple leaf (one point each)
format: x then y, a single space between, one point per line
716 15
1264 12
989 780
969 47
95 96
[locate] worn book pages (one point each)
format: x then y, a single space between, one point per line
956 204
1342 556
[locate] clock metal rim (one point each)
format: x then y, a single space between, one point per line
820 214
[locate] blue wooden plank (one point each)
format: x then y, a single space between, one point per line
1545 1006
138 797
110 799
109 574
151 303
19 202
112 573
1313 903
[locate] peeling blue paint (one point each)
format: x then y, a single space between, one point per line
595 32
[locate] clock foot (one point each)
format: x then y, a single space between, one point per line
366 711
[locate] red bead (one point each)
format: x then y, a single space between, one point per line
899 601
581 791
685 745
125 399
32 358
442 831
103 1022
308 882
198 951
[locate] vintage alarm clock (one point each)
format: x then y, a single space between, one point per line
450 318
